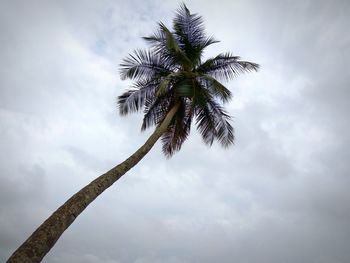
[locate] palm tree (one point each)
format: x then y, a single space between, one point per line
173 85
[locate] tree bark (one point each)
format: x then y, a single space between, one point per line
45 237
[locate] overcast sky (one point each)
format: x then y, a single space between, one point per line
280 195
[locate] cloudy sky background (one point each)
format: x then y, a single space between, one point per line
281 194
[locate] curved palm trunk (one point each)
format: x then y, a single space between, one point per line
45 237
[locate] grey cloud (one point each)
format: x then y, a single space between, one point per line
279 195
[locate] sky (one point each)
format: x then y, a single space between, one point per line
280 194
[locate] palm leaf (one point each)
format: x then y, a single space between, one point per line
213 123
226 66
156 109
189 31
205 124
175 52
216 88
178 131
143 64
224 131
134 99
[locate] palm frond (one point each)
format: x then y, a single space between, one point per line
216 88
213 123
134 99
224 130
143 64
207 41
178 130
205 124
189 27
190 33
157 41
155 111
226 66
172 52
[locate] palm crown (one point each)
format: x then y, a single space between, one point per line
171 72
